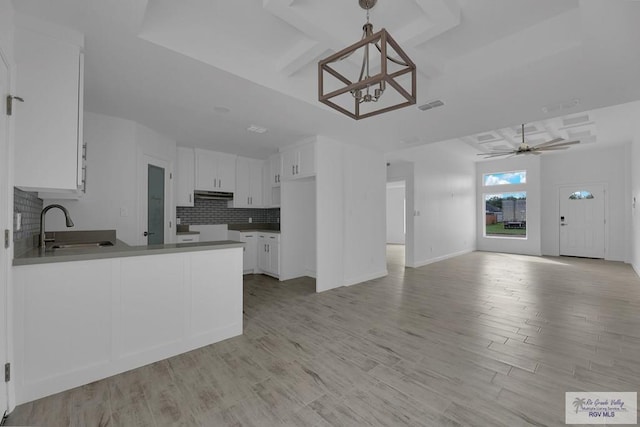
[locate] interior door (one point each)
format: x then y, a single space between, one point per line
154 200
4 224
155 205
582 220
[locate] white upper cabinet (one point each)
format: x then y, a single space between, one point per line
299 161
248 192
275 170
215 171
185 176
48 124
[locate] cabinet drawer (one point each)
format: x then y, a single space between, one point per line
188 238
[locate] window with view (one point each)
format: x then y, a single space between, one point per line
506 213
504 178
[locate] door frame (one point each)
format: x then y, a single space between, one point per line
6 255
604 185
404 188
144 162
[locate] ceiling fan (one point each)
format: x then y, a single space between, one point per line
524 148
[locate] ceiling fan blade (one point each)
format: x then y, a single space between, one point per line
551 148
490 155
496 152
553 141
563 144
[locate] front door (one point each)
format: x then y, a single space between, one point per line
582 220
4 224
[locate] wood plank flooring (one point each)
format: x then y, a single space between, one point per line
484 339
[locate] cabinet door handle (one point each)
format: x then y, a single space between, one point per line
297 172
190 195
293 169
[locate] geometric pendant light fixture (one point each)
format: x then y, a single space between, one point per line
382 78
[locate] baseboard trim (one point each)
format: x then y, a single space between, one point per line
636 268
365 278
442 258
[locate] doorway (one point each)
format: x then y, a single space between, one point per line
396 223
154 215
5 207
582 220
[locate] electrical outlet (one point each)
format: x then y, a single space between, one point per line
18 221
177 221
250 220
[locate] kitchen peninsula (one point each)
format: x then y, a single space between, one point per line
83 315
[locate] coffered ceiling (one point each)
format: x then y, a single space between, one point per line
203 71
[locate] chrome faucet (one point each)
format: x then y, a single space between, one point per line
43 240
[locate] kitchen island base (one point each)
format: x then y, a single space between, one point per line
81 321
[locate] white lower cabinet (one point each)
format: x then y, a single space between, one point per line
250 252
269 253
261 251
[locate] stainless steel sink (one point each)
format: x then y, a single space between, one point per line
81 245
59 240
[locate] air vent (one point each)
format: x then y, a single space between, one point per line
410 140
433 104
572 121
559 107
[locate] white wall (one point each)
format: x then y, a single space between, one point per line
329 214
531 244
395 213
607 166
112 201
364 215
443 205
350 214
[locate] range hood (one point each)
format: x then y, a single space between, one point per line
212 195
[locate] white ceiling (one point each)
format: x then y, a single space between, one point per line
494 63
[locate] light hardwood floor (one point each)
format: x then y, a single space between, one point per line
484 339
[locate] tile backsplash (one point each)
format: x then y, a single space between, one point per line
29 205
217 212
